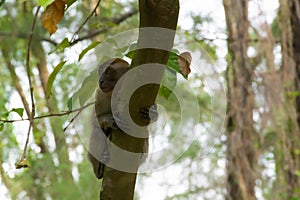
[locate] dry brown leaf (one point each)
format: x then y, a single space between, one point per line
184 61
52 15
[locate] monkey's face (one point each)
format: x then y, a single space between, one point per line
108 80
114 69
110 77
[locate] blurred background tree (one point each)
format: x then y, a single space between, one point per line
266 71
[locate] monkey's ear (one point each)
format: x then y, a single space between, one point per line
108 70
120 63
104 65
119 60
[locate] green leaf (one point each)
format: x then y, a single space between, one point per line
293 94
70 2
297 173
111 24
130 54
169 80
86 90
88 87
4 115
164 92
1 2
297 152
168 83
133 46
19 111
131 50
91 46
112 41
1 126
96 25
173 62
45 3
120 51
70 103
192 152
61 46
22 164
52 78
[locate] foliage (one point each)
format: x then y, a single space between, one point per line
56 158
52 78
50 174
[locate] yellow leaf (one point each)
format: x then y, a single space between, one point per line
22 164
53 15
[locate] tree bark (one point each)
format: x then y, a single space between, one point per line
295 23
288 161
241 153
118 184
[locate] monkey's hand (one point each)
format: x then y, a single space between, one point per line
115 121
107 122
149 113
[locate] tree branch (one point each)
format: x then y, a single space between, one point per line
25 36
15 80
85 21
49 115
117 20
31 116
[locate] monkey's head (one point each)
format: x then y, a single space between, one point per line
110 72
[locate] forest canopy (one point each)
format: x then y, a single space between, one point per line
224 77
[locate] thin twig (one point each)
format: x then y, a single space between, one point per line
116 21
85 21
16 80
49 115
32 114
25 36
72 120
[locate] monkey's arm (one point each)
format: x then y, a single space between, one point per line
107 122
103 111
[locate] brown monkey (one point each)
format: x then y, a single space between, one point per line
109 74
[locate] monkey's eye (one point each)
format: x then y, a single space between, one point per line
108 70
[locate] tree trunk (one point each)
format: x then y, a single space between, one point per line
16 81
295 23
118 184
288 164
56 123
241 153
